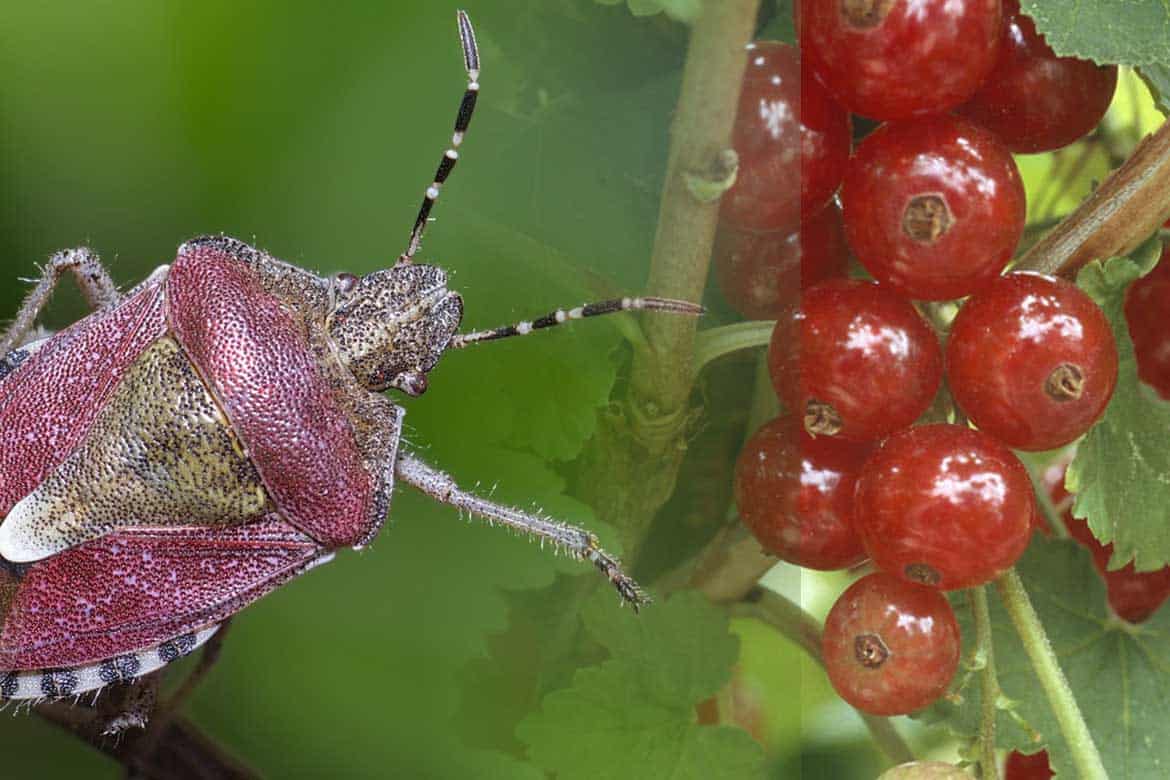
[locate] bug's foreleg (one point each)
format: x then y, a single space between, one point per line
85 265
576 541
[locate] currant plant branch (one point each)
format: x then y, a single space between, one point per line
804 630
638 451
1128 207
663 375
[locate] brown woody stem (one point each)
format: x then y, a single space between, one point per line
1124 211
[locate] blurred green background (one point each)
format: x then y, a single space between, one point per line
310 129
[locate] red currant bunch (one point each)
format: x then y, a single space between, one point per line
932 207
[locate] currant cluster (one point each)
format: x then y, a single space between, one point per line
932 207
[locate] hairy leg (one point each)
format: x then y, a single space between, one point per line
575 541
96 285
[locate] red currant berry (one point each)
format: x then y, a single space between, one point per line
933 208
890 647
787 130
944 505
895 59
761 274
796 495
1033 100
1025 767
1032 361
1146 304
854 361
1133 595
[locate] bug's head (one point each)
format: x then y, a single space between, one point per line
391 326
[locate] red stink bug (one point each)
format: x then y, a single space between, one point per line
212 433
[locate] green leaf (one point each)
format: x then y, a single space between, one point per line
1119 674
1121 473
634 715
1126 32
1157 78
780 27
679 10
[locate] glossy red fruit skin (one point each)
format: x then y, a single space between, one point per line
761 274
944 505
923 57
1132 595
1146 304
863 351
890 647
1032 361
1033 100
1027 767
787 130
933 208
795 493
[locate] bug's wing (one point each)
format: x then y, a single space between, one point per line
49 401
139 588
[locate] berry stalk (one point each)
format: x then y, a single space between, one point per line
988 683
714 343
1056 688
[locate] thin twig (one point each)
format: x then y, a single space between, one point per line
182 751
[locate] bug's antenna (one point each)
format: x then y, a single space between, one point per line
462 120
561 316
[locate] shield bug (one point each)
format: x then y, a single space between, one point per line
213 432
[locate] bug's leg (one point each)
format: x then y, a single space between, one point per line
462 121
207 660
561 316
112 712
132 705
576 541
96 285
203 666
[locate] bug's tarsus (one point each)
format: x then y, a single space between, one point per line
462 121
561 316
577 542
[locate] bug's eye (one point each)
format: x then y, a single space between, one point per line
345 282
